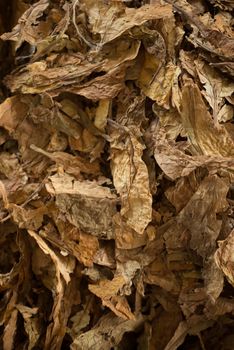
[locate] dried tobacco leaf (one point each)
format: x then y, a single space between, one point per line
69 73
204 136
176 164
76 200
193 326
25 29
107 333
224 257
116 174
131 180
210 198
119 19
31 324
160 88
63 268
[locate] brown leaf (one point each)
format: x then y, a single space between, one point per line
199 215
73 165
119 19
63 267
31 323
131 180
106 289
175 163
119 305
192 326
86 204
10 330
224 257
29 219
160 334
116 173
108 332
13 117
204 136
25 30
76 68
160 88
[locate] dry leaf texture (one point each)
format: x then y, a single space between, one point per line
116 174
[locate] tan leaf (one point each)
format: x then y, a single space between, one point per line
24 30
73 165
119 305
79 321
108 332
119 19
159 89
86 204
106 289
131 180
199 215
39 77
216 87
31 323
102 112
13 117
175 163
29 219
224 257
203 135
64 267
10 331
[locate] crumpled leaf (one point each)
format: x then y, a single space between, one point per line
216 89
76 67
192 326
116 174
10 330
119 19
31 324
112 291
126 237
220 307
7 279
73 165
13 117
157 273
176 163
130 177
76 200
224 257
204 226
213 279
160 88
203 135
119 305
63 268
207 38
29 219
170 121
107 333
79 321
82 246
25 29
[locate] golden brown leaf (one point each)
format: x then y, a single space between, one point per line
224 257
131 180
86 204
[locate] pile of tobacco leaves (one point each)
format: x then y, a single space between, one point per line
116 175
